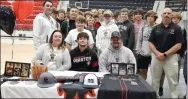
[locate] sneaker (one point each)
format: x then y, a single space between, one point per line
160 91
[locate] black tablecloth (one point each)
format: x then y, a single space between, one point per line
128 87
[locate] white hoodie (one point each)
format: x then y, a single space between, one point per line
103 36
42 28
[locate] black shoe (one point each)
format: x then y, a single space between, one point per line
160 91
184 97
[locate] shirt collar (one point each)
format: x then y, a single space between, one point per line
86 50
162 25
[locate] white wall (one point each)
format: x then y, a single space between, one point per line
183 22
159 11
63 5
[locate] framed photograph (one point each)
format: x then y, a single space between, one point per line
130 69
115 68
122 70
17 69
25 70
9 68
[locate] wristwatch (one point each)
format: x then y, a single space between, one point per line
165 55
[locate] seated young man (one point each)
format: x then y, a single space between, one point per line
115 53
82 57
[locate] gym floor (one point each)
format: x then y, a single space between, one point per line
23 51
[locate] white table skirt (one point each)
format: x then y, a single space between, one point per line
24 90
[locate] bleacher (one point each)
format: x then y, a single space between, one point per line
177 5
27 24
114 4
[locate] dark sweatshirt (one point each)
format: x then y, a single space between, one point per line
126 29
59 21
66 26
184 44
84 61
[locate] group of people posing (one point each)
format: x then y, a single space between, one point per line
91 41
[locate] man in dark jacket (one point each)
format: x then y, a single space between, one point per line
126 29
66 26
82 57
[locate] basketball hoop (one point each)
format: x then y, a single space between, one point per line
78 5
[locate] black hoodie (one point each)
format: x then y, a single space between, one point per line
59 21
126 29
84 61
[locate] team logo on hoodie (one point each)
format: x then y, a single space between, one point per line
82 59
122 28
117 59
105 33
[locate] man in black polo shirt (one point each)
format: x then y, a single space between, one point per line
82 57
165 40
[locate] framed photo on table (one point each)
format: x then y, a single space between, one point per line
130 69
9 69
18 69
122 69
25 70
115 68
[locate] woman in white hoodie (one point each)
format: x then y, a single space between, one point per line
105 30
54 54
142 47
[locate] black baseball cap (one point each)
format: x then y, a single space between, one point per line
116 34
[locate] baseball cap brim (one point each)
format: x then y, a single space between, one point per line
90 86
45 85
116 36
107 15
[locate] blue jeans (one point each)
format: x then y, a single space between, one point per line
185 68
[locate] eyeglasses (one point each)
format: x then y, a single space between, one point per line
107 16
167 13
48 5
